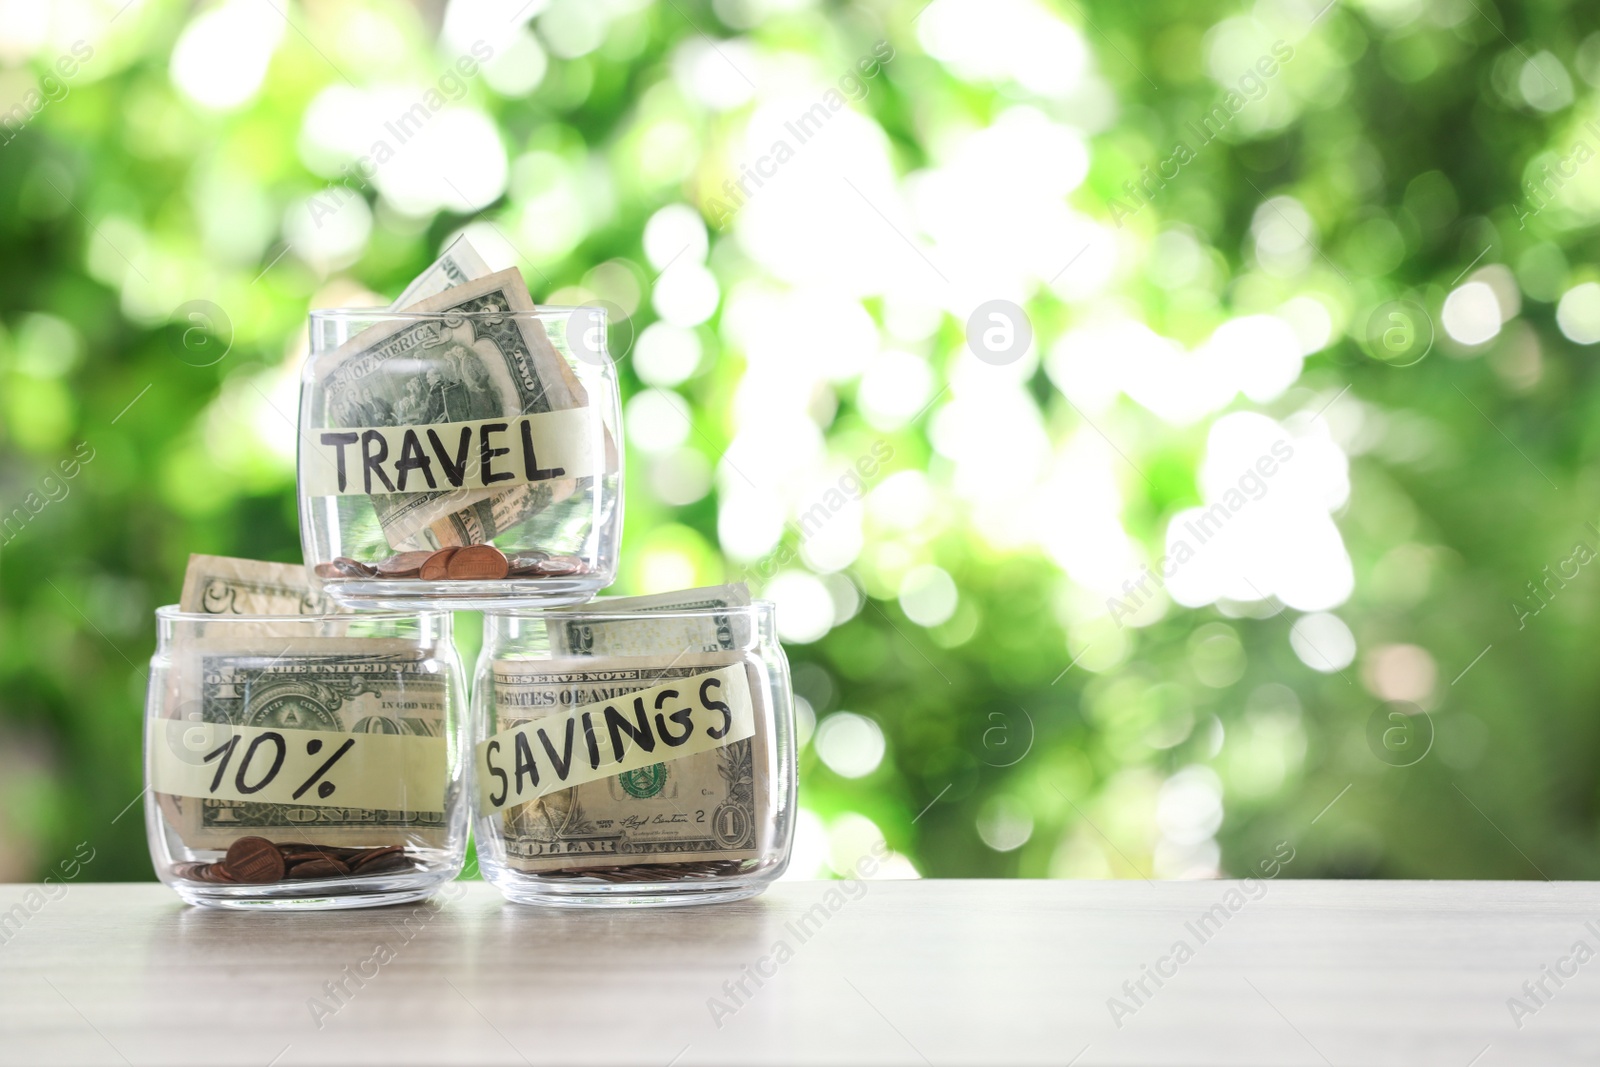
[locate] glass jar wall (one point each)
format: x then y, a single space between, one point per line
633 757
470 457
305 761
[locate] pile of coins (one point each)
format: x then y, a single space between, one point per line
652 872
257 861
463 564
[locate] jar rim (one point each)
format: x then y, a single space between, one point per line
538 311
171 613
594 611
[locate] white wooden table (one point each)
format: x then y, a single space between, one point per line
906 973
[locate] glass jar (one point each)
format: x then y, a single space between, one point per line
633 757
305 761
468 457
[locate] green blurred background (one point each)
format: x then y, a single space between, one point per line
1359 234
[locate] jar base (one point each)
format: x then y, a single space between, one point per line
410 594
627 896
332 895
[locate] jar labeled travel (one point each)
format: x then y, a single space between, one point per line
466 449
635 751
309 761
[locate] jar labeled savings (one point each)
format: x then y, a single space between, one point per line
633 757
305 761
467 454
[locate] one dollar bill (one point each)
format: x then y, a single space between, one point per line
333 685
708 630
291 676
223 585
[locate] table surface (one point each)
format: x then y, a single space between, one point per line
933 972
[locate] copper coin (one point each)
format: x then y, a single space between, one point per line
381 859
403 565
338 852
652 872
319 868
477 563
307 853
187 870
384 861
216 872
373 854
434 569
254 861
293 859
343 567
525 562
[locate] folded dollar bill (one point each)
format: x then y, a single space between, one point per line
666 636
476 366
457 265
224 585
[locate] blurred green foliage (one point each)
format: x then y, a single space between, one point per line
1025 733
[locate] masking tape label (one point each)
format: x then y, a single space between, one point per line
481 454
665 722
320 768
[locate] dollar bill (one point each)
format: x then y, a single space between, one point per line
228 586
670 635
704 807
346 685
452 369
268 673
734 594
457 265
224 585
